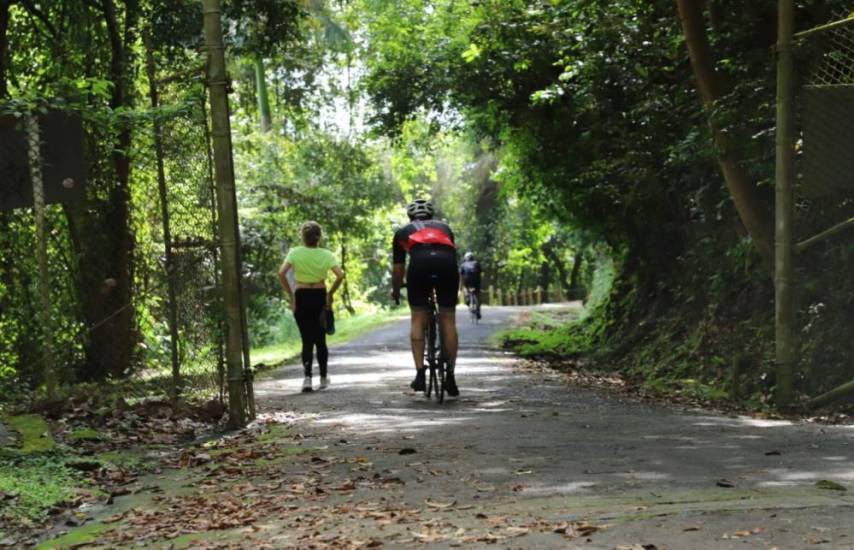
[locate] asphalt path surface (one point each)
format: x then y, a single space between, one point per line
522 459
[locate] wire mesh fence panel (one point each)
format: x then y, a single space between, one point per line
185 154
824 106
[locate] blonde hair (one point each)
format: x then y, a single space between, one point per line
311 233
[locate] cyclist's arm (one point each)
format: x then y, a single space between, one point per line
398 266
397 274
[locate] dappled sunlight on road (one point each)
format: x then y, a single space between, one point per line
535 436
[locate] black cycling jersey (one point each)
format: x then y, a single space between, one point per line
432 262
470 273
420 235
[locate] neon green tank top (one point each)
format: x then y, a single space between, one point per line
311 264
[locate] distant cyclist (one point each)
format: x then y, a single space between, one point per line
432 265
470 279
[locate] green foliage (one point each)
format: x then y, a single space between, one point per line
37 485
551 135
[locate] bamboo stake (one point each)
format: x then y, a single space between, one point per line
227 204
783 250
46 321
823 28
214 225
824 235
845 390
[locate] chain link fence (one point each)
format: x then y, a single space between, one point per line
193 276
190 200
824 204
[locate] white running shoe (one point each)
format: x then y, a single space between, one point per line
324 382
306 384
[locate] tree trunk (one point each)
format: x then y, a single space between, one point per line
4 45
107 242
554 258
711 88
115 339
266 119
346 299
574 287
545 278
171 292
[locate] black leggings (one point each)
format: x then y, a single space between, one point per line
310 304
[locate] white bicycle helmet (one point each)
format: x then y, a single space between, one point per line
469 256
420 209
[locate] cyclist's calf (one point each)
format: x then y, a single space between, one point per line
448 326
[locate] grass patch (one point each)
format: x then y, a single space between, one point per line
78 537
346 329
548 333
36 484
34 433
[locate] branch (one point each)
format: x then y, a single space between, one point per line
40 15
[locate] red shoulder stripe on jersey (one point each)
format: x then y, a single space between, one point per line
428 235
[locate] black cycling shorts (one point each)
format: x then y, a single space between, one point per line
432 267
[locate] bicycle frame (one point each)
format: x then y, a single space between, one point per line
434 352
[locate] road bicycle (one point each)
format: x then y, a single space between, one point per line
434 352
473 303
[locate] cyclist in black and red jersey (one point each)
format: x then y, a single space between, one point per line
470 274
432 265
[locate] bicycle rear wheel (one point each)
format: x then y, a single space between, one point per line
431 356
440 369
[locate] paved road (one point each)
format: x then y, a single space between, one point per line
524 460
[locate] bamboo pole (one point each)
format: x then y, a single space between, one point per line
46 319
784 200
539 293
824 28
844 391
214 226
824 235
227 205
491 295
172 304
